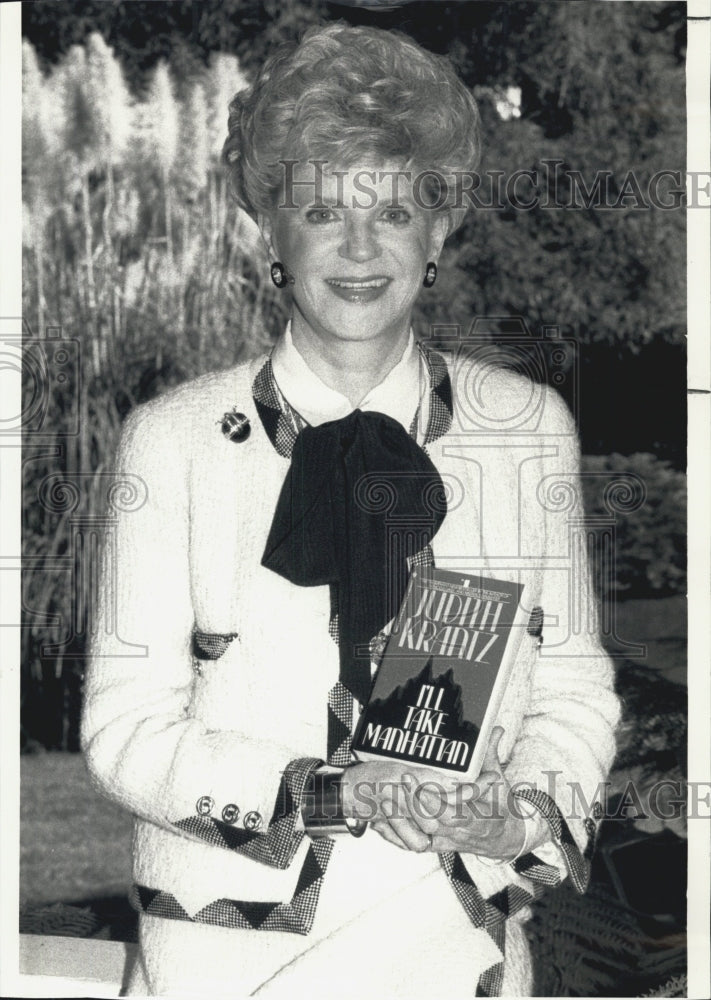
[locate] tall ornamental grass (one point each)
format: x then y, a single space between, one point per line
135 256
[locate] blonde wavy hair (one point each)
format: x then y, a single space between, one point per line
347 96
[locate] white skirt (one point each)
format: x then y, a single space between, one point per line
414 942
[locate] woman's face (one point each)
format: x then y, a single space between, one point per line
356 244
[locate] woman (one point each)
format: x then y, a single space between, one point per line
219 708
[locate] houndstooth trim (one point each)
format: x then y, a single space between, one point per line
211 645
577 863
277 845
535 623
294 917
340 725
283 423
440 395
488 914
492 913
421 559
280 420
465 889
264 387
491 980
333 617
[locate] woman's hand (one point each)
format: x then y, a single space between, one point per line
421 810
382 792
474 817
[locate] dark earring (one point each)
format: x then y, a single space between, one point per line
430 275
279 274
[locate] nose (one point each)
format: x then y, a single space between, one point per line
360 239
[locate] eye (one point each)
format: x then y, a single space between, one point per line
319 216
396 216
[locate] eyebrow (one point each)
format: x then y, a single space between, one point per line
330 201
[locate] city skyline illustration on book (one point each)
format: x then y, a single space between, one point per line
444 672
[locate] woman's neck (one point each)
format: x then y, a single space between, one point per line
351 367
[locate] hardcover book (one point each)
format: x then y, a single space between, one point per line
444 672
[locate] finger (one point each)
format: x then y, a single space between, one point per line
397 812
459 805
424 822
443 842
470 791
427 805
410 834
491 757
382 827
436 841
454 810
426 789
491 806
431 779
413 810
487 782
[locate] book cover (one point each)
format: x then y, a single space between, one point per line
444 672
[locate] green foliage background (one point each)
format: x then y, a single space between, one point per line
134 249
602 89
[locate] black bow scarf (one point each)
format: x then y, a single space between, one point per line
359 499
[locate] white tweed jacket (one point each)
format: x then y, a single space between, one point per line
205 700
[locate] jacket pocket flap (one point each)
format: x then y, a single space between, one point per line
211 645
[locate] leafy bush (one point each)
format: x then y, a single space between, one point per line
137 258
651 536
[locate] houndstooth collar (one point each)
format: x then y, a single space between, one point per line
283 423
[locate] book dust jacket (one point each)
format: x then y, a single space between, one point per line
443 673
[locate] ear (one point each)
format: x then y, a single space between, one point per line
438 234
267 230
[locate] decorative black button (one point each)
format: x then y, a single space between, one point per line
230 814
252 821
235 426
597 810
204 805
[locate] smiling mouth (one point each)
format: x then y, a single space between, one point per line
355 284
359 291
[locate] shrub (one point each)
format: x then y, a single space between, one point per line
651 535
136 254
